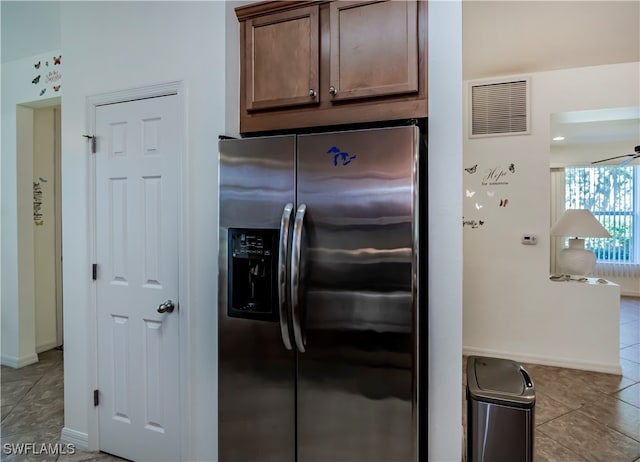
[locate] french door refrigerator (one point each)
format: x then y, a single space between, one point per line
322 319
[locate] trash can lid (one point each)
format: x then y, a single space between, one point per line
500 381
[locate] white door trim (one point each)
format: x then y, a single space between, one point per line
165 89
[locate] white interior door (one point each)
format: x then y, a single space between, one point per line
137 200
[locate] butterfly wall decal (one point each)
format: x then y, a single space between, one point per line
37 66
57 60
470 193
491 193
512 168
478 206
504 202
56 87
472 169
36 80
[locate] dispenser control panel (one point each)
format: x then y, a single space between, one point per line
253 259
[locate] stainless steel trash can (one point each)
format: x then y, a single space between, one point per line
500 411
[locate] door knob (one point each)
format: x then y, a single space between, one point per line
166 307
312 93
333 90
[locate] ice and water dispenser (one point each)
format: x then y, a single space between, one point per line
253 260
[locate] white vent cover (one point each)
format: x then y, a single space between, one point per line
500 108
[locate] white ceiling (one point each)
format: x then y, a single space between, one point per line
597 126
515 37
29 28
594 135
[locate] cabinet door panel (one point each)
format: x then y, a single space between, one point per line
374 48
282 59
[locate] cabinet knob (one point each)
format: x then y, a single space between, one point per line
312 93
333 90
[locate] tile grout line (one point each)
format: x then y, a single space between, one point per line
42 373
559 416
622 389
637 440
593 420
560 444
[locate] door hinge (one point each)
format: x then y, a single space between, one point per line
94 271
96 397
92 138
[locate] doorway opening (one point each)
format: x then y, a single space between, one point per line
38 132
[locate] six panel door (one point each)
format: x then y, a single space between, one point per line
137 190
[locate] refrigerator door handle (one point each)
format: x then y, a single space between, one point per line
296 243
282 275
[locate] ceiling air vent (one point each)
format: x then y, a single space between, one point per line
500 108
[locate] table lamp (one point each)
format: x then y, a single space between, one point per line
580 223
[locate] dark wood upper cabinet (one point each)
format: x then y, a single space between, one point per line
320 63
282 56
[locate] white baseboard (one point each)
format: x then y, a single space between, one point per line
608 368
79 439
17 363
625 293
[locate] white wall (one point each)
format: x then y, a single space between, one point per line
445 233
28 30
232 68
44 230
17 283
509 307
111 46
628 286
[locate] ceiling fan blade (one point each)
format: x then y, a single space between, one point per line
633 156
622 164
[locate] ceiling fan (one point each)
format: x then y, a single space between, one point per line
634 155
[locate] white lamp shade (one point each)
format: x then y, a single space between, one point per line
579 223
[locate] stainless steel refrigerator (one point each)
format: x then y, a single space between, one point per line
322 296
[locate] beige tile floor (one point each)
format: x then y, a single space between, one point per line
32 411
580 415
588 416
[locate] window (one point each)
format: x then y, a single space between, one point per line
611 194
